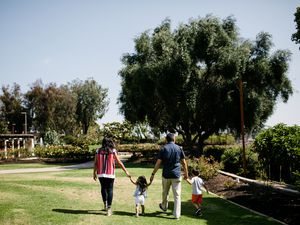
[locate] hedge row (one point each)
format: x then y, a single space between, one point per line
146 147
64 153
15 153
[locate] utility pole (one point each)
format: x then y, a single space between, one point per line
242 125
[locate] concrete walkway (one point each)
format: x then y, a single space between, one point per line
85 165
49 169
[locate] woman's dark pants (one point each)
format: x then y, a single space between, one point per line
107 186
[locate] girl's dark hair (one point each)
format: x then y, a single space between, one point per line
142 182
108 144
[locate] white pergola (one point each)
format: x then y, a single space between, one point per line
16 141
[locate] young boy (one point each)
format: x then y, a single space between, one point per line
197 183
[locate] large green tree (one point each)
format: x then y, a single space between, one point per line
91 103
187 80
11 108
296 36
51 107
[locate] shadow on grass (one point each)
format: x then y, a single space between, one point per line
76 211
157 214
224 209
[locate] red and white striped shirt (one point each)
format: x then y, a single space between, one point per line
106 162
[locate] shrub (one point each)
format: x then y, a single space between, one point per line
221 139
81 141
138 147
51 137
64 153
233 163
279 151
215 151
208 167
15 153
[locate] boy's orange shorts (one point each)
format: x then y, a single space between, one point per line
197 199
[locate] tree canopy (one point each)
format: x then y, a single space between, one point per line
296 36
64 109
11 108
51 107
91 102
186 80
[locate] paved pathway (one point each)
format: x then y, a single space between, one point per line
57 169
49 169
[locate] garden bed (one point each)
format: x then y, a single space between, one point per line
283 207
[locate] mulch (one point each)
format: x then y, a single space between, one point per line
265 200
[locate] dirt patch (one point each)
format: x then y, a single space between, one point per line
283 207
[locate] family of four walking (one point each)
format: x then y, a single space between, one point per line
171 157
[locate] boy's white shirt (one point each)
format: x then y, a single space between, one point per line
197 183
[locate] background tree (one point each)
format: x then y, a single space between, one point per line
186 80
51 107
11 108
91 103
296 36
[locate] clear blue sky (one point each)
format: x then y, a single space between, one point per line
62 40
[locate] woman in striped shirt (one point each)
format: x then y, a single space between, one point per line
104 170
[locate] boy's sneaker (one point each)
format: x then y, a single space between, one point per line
160 206
198 212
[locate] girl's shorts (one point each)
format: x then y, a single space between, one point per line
140 200
197 199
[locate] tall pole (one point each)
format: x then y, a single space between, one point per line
25 124
242 125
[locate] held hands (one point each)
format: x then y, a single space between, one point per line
151 178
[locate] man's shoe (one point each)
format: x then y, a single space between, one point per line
160 206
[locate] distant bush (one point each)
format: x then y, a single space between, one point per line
233 162
51 137
279 152
15 153
64 153
138 147
208 167
81 141
221 139
215 151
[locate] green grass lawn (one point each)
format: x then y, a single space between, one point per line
73 197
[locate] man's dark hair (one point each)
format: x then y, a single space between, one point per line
170 137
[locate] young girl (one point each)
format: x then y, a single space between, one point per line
197 183
140 193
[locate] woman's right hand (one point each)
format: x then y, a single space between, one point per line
95 177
